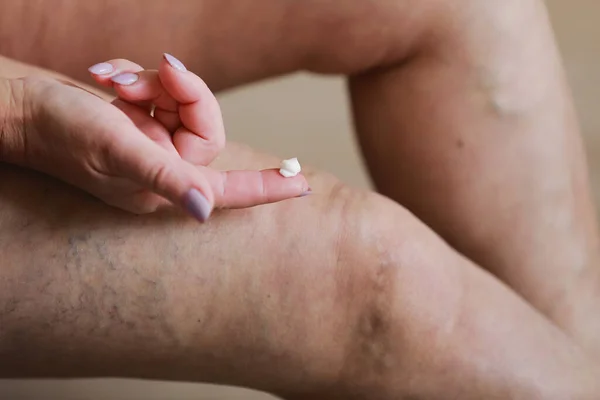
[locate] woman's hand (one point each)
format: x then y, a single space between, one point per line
147 149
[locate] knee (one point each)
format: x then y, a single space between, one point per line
353 37
403 281
419 319
374 278
357 37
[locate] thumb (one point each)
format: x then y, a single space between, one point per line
164 173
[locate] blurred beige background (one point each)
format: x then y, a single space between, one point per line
307 117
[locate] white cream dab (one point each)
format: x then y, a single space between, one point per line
290 167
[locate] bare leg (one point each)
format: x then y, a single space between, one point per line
511 234
476 134
374 306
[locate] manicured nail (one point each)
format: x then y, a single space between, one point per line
197 205
101 69
306 193
175 63
126 78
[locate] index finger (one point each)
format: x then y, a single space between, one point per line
240 189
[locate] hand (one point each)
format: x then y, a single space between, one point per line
131 158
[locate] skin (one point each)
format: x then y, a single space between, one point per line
148 149
413 288
377 306
499 171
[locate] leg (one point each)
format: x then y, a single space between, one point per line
374 306
406 46
228 42
476 134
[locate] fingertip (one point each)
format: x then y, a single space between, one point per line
290 187
197 205
102 68
239 189
125 78
183 85
104 71
298 182
307 192
174 62
199 198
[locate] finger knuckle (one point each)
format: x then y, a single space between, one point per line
160 176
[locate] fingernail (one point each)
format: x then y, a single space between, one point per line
306 193
126 78
175 63
101 68
197 205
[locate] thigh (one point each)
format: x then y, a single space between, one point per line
229 42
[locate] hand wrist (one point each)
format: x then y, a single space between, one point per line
11 119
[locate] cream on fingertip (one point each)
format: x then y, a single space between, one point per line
290 167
